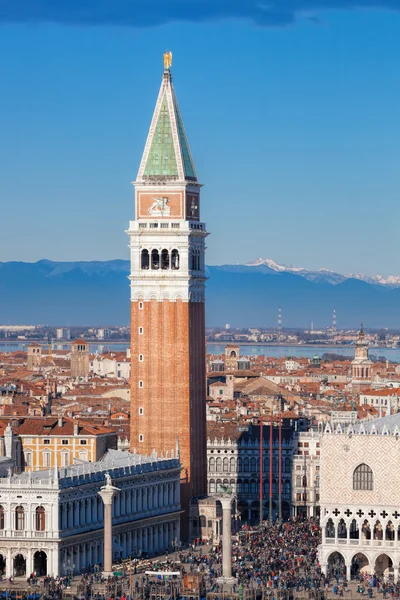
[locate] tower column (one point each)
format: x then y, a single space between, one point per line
226 578
107 494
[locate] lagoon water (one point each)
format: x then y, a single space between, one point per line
302 351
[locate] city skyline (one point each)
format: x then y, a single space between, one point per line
313 100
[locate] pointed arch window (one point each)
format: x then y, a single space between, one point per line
363 478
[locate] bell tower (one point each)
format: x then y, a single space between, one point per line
167 280
361 366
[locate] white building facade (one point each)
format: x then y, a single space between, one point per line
110 365
306 475
360 497
52 522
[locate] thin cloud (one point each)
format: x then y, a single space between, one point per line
150 13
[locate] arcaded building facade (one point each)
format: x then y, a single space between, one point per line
52 521
167 247
360 497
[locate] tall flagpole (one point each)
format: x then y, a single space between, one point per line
270 469
261 472
280 468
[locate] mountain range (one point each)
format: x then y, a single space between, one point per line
325 274
97 293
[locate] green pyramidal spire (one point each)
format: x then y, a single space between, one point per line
167 153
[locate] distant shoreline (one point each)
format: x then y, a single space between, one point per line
289 345
108 342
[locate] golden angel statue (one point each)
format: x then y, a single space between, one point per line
167 60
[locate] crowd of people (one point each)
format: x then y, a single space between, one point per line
271 562
274 556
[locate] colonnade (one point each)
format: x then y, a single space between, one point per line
88 511
151 539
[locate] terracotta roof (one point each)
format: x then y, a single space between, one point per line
48 426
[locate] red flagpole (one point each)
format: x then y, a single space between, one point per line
261 472
280 468
270 469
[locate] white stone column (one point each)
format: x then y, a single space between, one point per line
226 502
107 494
9 564
29 562
348 569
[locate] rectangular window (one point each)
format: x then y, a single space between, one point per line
83 442
46 441
28 459
64 442
46 459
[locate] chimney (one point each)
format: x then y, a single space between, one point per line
76 427
60 421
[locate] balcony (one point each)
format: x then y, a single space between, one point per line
361 542
25 534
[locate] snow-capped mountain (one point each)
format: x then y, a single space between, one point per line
325 274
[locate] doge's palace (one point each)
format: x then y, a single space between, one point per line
360 497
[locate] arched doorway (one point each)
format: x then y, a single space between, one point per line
243 510
19 566
2 565
384 565
40 563
359 564
285 510
336 564
255 512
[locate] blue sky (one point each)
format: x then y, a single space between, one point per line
295 130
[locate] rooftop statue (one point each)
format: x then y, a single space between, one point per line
167 60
